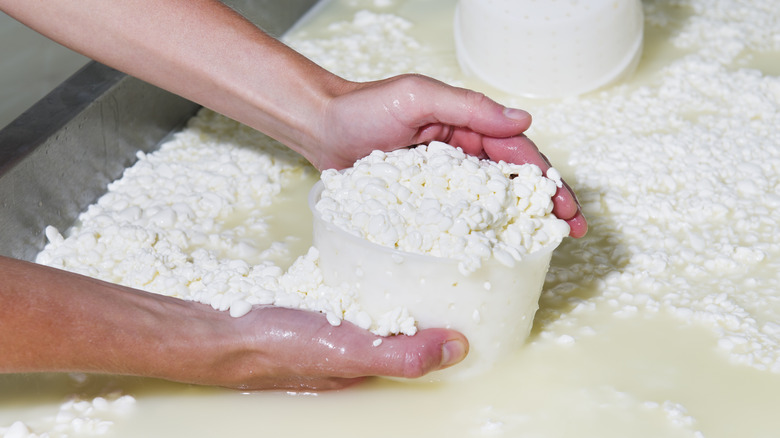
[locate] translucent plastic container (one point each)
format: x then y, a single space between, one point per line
493 307
548 48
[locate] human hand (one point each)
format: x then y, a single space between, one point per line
299 350
411 109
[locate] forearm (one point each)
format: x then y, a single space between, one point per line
51 320
199 49
56 321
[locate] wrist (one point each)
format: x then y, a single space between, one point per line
293 111
187 342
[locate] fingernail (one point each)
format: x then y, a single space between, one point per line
453 352
516 114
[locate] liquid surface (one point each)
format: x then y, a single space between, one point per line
654 325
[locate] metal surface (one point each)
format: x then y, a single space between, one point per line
59 156
273 16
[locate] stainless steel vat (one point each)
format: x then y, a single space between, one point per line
59 156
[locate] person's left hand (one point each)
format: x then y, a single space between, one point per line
409 110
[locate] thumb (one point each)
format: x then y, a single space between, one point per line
301 347
414 356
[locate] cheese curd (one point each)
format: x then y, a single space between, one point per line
436 200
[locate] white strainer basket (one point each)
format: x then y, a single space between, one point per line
548 48
493 307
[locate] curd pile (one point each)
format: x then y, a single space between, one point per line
438 201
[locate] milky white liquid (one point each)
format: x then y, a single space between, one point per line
584 373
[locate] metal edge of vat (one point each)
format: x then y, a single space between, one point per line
59 156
